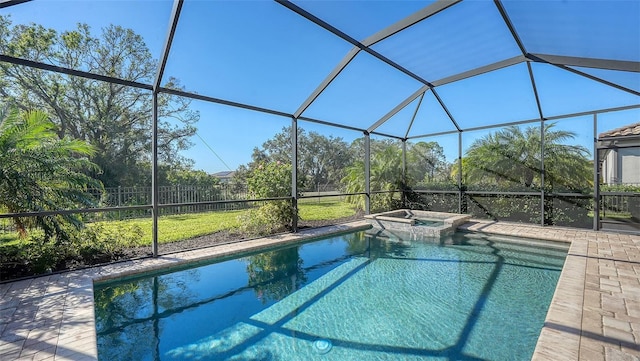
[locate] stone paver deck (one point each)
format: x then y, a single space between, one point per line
594 315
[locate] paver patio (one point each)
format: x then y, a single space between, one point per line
594 315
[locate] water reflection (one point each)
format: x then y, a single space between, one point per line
369 294
141 319
131 312
276 274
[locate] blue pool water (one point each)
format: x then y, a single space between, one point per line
428 222
358 296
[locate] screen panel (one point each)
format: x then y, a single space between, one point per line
257 53
463 37
362 93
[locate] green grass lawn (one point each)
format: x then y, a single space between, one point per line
322 209
616 215
185 226
7 239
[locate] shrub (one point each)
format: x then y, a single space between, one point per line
272 217
269 180
98 243
39 253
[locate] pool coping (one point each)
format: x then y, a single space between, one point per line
594 313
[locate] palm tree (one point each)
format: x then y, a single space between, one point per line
385 175
512 156
41 172
425 163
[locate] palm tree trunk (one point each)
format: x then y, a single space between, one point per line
20 227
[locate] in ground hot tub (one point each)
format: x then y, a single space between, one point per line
418 223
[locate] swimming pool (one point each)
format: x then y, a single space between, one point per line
359 296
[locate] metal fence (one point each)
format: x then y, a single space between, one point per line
619 203
177 194
562 209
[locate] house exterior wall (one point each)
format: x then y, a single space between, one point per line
629 165
621 166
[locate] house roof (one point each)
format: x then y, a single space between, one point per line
224 174
627 130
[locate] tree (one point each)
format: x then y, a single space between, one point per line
321 159
278 148
276 274
115 119
188 177
269 180
385 175
375 145
512 156
426 162
41 172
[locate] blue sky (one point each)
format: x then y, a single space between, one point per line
262 54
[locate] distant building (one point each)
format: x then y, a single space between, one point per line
621 155
224 177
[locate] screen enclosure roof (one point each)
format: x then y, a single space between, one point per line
405 69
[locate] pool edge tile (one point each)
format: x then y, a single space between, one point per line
560 336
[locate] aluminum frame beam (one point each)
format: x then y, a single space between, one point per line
404 174
7 3
294 174
364 46
78 73
367 173
210 99
596 176
520 122
607 64
388 135
173 24
543 171
300 11
342 126
323 122
433 134
542 142
446 110
535 91
460 190
509 24
481 70
133 84
328 80
155 194
599 80
398 107
413 118
409 21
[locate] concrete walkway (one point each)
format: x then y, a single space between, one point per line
594 315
